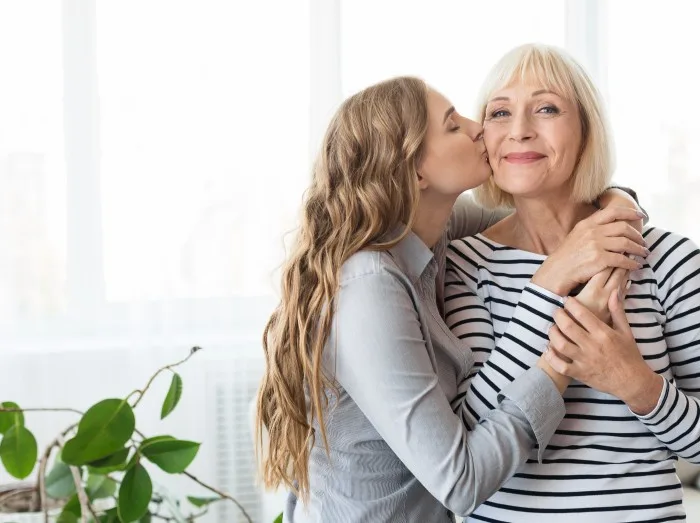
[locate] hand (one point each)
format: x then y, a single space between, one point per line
619 198
604 358
595 244
596 293
561 382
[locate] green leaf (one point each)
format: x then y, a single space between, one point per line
146 518
111 463
103 430
155 439
202 502
8 419
111 516
171 455
59 482
67 517
71 511
173 396
134 494
99 487
18 451
278 519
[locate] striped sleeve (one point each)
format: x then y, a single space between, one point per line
675 421
512 355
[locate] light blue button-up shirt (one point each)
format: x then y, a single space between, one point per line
398 452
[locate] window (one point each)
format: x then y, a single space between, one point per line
655 120
451 44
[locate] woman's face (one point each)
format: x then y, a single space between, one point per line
454 156
533 137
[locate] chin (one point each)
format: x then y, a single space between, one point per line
518 183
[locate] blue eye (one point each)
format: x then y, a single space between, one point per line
499 114
549 109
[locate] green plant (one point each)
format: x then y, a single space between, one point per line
101 468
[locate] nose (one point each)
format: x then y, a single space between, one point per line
474 130
521 129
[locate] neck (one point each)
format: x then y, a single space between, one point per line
540 225
431 218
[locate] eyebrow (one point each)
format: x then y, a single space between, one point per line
536 93
448 113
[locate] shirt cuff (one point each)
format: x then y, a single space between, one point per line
659 412
535 315
535 394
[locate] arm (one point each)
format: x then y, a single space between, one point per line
670 409
382 361
675 420
469 218
514 356
623 197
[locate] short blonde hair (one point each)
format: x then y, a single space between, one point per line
556 70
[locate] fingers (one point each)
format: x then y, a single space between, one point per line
558 363
599 280
585 319
614 259
623 229
564 347
612 213
567 323
624 245
618 281
619 317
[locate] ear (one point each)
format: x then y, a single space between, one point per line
422 182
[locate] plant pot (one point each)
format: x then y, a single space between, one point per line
18 503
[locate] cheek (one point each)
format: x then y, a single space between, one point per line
491 139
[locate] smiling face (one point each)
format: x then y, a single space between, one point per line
534 137
453 157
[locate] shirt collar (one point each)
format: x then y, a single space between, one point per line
411 254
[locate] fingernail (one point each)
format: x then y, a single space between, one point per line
629 284
647 252
642 214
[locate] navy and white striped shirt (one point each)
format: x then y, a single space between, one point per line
604 463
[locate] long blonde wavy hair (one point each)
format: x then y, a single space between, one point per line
365 184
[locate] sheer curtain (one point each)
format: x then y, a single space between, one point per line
153 155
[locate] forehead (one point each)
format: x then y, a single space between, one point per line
534 77
437 100
524 91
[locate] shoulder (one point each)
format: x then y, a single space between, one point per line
370 268
672 257
474 251
664 244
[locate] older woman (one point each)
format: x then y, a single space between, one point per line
612 458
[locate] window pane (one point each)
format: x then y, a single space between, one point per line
201 176
449 43
654 117
32 170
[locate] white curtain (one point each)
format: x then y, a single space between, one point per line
153 154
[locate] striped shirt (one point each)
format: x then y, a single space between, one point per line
604 463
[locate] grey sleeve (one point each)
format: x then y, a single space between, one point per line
382 362
469 218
